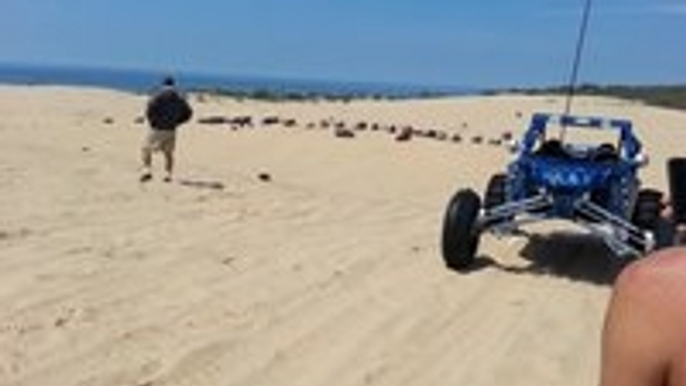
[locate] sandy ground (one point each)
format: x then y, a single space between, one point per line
328 274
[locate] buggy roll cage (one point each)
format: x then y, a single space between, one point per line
629 146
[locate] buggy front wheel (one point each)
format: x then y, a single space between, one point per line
647 216
460 231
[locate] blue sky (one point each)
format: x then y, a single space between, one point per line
477 43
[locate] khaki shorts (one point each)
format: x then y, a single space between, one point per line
160 140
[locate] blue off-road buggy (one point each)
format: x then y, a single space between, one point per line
595 186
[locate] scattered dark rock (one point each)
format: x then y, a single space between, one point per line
405 134
477 139
139 120
264 177
271 120
242 121
213 120
344 133
108 121
507 136
290 123
457 138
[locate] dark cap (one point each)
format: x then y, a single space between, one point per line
168 81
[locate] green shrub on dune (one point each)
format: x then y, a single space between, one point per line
663 96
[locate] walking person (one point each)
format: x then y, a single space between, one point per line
166 110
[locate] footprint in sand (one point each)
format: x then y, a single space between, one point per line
18 234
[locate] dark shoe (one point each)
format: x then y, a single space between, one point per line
146 177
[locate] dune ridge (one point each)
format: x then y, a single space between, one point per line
329 272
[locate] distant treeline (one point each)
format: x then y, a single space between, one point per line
664 96
279 96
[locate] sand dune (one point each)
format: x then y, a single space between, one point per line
329 273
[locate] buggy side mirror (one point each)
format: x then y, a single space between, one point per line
514 146
642 160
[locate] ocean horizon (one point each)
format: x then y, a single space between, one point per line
141 81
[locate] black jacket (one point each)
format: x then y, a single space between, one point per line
167 109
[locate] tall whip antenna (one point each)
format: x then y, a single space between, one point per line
571 88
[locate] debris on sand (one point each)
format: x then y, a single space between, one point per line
290 123
405 134
214 185
270 120
344 133
213 120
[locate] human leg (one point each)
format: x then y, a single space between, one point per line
168 165
146 158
